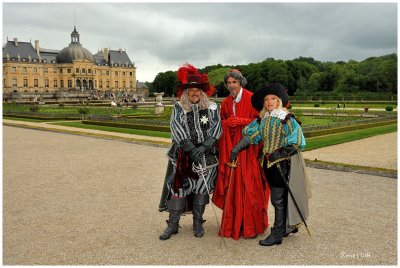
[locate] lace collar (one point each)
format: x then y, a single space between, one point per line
280 113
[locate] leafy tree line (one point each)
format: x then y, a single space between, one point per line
302 76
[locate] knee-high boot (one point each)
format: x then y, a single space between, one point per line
175 207
199 204
279 197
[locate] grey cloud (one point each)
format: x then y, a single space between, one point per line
211 33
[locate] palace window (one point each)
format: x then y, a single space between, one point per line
46 70
35 82
89 71
100 84
116 84
107 84
25 70
25 82
62 83
46 83
55 83
116 73
123 84
54 70
61 71
77 70
35 69
14 69
69 83
107 72
14 82
130 73
69 71
83 71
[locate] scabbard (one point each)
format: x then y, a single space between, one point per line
291 194
165 195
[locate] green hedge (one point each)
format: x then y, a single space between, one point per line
306 134
126 125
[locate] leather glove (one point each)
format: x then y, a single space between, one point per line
232 121
243 143
187 146
197 153
278 155
243 121
290 150
238 121
209 142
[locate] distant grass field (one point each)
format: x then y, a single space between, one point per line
24 119
312 143
74 110
117 129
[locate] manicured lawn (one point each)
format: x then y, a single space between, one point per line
348 105
24 119
313 120
74 110
117 129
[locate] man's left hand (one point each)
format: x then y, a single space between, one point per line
197 153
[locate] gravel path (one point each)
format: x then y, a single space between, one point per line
378 151
73 200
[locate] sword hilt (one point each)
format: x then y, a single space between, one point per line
232 164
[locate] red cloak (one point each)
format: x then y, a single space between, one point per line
245 204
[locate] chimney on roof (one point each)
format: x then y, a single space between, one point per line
120 50
37 48
16 42
105 54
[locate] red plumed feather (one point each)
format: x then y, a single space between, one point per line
183 72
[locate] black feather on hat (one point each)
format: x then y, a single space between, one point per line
257 100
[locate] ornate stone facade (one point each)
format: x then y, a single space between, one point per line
34 70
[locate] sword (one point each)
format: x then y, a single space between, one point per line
232 165
208 191
291 194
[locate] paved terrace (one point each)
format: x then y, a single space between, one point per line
70 200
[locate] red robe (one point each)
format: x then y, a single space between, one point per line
245 205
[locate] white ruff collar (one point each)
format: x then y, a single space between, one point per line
280 113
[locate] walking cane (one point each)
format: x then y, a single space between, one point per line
208 191
291 194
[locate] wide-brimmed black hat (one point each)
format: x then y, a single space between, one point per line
257 100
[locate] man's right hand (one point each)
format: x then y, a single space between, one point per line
232 121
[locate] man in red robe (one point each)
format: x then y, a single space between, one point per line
243 195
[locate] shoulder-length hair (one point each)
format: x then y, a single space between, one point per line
204 102
264 110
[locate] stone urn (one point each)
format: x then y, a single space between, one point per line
159 107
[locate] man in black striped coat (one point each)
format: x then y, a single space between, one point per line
196 128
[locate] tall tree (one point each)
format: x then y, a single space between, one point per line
166 82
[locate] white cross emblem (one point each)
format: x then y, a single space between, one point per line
204 119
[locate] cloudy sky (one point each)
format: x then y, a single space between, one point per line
162 36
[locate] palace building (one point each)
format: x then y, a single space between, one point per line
29 69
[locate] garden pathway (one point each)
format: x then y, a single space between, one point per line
75 200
